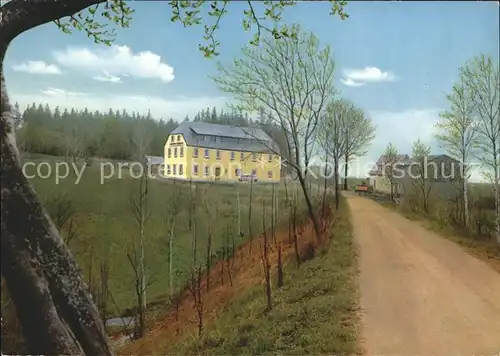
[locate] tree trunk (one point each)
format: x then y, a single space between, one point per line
336 172
497 199
53 304
52 301
238 211
323 204
280 267
310 208
466 203
346 170
170 262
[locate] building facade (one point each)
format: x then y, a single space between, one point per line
441 173
200 151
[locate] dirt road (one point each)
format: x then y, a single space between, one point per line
420 293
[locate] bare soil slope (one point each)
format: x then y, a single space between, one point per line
245 272
420 293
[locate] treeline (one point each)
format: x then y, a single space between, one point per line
86 133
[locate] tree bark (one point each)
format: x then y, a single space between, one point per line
310 208
44 280
52 301
323 204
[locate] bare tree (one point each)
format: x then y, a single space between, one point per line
250 231
420 174
482 77
390 166
60 208
195 287
73 145
280 265
458 136
264 257
359 132
291 78
173 211
212 214
332 138
139 205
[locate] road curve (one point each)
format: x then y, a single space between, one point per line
420 293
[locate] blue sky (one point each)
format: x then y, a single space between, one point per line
414 50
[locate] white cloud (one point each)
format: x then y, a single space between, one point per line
106 77
60 93
36 67
351 83
116 61
360 77
176 108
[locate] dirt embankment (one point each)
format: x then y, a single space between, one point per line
246 270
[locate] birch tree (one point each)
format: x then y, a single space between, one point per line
420 179
482 77
389 166
359 132
58 296
331 137
292 79
457 135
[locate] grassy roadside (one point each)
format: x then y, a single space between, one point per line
315 312
487 251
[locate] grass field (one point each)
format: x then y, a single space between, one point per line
315 312
107 226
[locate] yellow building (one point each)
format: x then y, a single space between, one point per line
200 151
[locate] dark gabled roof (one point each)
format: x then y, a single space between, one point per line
189 129
405 160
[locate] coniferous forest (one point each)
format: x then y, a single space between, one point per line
87 133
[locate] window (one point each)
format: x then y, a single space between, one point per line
270 174
237 172
254 172
178 138
175 152
195 152
242 156
168 168
207 153
270 158
213 138
217 154
202 138
181 169
182 152
174 169
169 152
254 157
195 169
206 170
232 156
